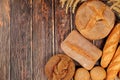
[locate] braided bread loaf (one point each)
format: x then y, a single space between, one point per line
110 46
60 67
114 66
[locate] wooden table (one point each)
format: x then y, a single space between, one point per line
31 31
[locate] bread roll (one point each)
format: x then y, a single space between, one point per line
98 73
82 74
114 66
110 46
81 50
94 20
60 67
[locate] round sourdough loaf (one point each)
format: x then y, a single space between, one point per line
94 20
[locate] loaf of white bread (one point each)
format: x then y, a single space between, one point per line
81 50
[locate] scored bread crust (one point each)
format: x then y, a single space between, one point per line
81 50
114 66
110 46
94 20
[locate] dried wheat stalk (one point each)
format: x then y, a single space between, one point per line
115 5
70 3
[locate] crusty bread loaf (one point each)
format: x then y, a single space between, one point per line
60 67
81 50
110 46
114 66
94 20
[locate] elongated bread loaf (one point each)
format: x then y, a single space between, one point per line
81 50
114 66
110 46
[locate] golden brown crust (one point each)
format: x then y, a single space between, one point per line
60 67
98 73
114 66
81 50
82 74
110 46
93 21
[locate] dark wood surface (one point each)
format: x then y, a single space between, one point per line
31 31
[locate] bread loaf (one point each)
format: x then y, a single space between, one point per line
94 19
82 74
60 67
98 73
81 50
110 46
114 66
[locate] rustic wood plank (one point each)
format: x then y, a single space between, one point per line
21 40
4 40
43 30
62 25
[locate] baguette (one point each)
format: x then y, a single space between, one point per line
114 66
110 46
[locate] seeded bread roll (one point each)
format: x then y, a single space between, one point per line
60 67
114 66
94 20
110 46
82 74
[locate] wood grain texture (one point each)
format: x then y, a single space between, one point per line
4 40
21 40
62 26
43 25
31 31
